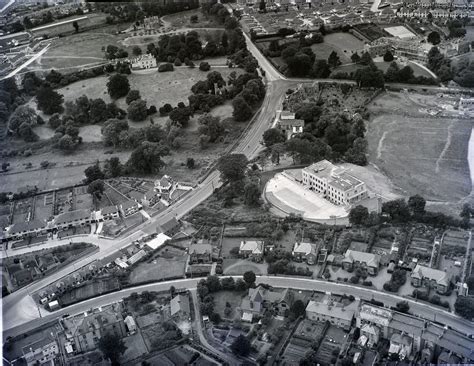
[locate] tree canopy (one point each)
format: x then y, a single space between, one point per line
232 167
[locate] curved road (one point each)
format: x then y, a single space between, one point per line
19 308
421 310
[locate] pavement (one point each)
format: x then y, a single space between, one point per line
421 310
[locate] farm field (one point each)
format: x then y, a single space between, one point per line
414 150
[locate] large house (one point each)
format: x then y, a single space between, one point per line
334 183
259 299
42 352
368 261
179 306
200 253
146 61
252 249
129 208
287 122
72 219
304 251
431 278
334 312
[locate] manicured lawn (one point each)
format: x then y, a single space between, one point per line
417 70
233 298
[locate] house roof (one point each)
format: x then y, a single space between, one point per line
285 115
138 196
128 204
130 322
261 294
109 210
158 241
179 303
136 257
333 309
370 260
40 344
26 226
72 216
370 329
304 248
441 277
165 181
169 225
256 247
292 122
200 249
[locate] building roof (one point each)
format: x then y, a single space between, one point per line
200 249
109 210
150 194
256 247
72 216
137 196
323 169
287 115
179 303
136 257
344 181
38 345
169 225
407 324
292 122
260 294
128 204
304 248
26 226
333 309
158 241
370 260
165 181
130 322
441 277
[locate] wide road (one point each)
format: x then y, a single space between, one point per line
421 310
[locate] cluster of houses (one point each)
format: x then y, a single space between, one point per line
407 335
162 192
81 333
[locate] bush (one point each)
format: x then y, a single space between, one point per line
177 62
204 66
354 279
166 67
367 283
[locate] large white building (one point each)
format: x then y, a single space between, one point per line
334 183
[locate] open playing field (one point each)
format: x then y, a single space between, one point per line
420 153
343 43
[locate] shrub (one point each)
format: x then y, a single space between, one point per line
204 66
177 62
367 283
166 67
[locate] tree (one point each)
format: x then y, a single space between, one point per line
137 51
240 285
434 38
113 167
93 173
334 60
210 126
298 308
241 346
417 204
397 210
112 347
190 163
231 23
358 215
232 167
402 307
137 110
366 59
355 58
98 111
26 132
146 158
118 86
66 143
213 284
76 26
132 96
249 278
49 101
392 73
464 306
22 114
111 131
321 69
242 111
369 77
96 189
181 115
252 194
204 66
262 6
388 56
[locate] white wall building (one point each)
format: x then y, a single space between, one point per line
334 183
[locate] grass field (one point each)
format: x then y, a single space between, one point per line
420 154
343 43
